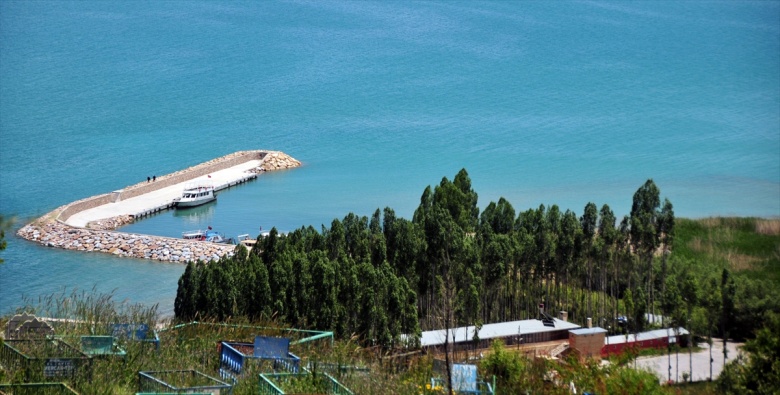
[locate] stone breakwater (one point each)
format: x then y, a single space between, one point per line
278 161
55 234
51 230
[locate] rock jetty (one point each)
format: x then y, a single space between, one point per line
278 161
59 235
51 229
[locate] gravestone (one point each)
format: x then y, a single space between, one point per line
27 326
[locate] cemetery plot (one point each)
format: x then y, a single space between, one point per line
44 359
187 381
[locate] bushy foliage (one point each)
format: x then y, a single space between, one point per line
509 368
5 224
758 371
336 287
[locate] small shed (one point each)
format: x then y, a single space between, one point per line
588 341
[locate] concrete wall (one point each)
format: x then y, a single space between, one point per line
84 204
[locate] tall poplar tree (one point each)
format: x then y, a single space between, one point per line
185 304
607 236
588 222
644 230
666 236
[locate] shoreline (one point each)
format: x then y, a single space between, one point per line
89 224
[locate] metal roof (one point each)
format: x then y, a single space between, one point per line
649 335
493 331
588 331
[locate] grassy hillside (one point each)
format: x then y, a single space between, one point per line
746 246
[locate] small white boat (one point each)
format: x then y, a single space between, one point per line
246 241
193 234
196 195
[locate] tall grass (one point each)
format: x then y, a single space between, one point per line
768 227
363 370
192 346
750 246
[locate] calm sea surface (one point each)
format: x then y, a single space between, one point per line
543 103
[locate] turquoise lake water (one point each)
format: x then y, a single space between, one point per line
543 103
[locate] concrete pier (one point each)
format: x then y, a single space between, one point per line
163 198
87 224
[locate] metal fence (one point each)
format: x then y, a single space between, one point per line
36 389
181 381
289 383
235 361
45 359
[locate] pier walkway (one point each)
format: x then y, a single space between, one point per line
90 224
163 198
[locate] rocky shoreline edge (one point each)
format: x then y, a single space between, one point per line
100 236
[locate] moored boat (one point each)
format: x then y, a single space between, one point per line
196 195
193 234
207 235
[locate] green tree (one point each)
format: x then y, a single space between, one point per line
689 290
498 217
628 302
569 256
508 368
206 295
666 236
640 309
324 299
495 260
672 304
711 302
727 291
185 305
5 224
763 369
280 270
644 230
459 200
759 372
256 289
607 236
588 223
623 380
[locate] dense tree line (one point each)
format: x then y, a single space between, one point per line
306 279
451 265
